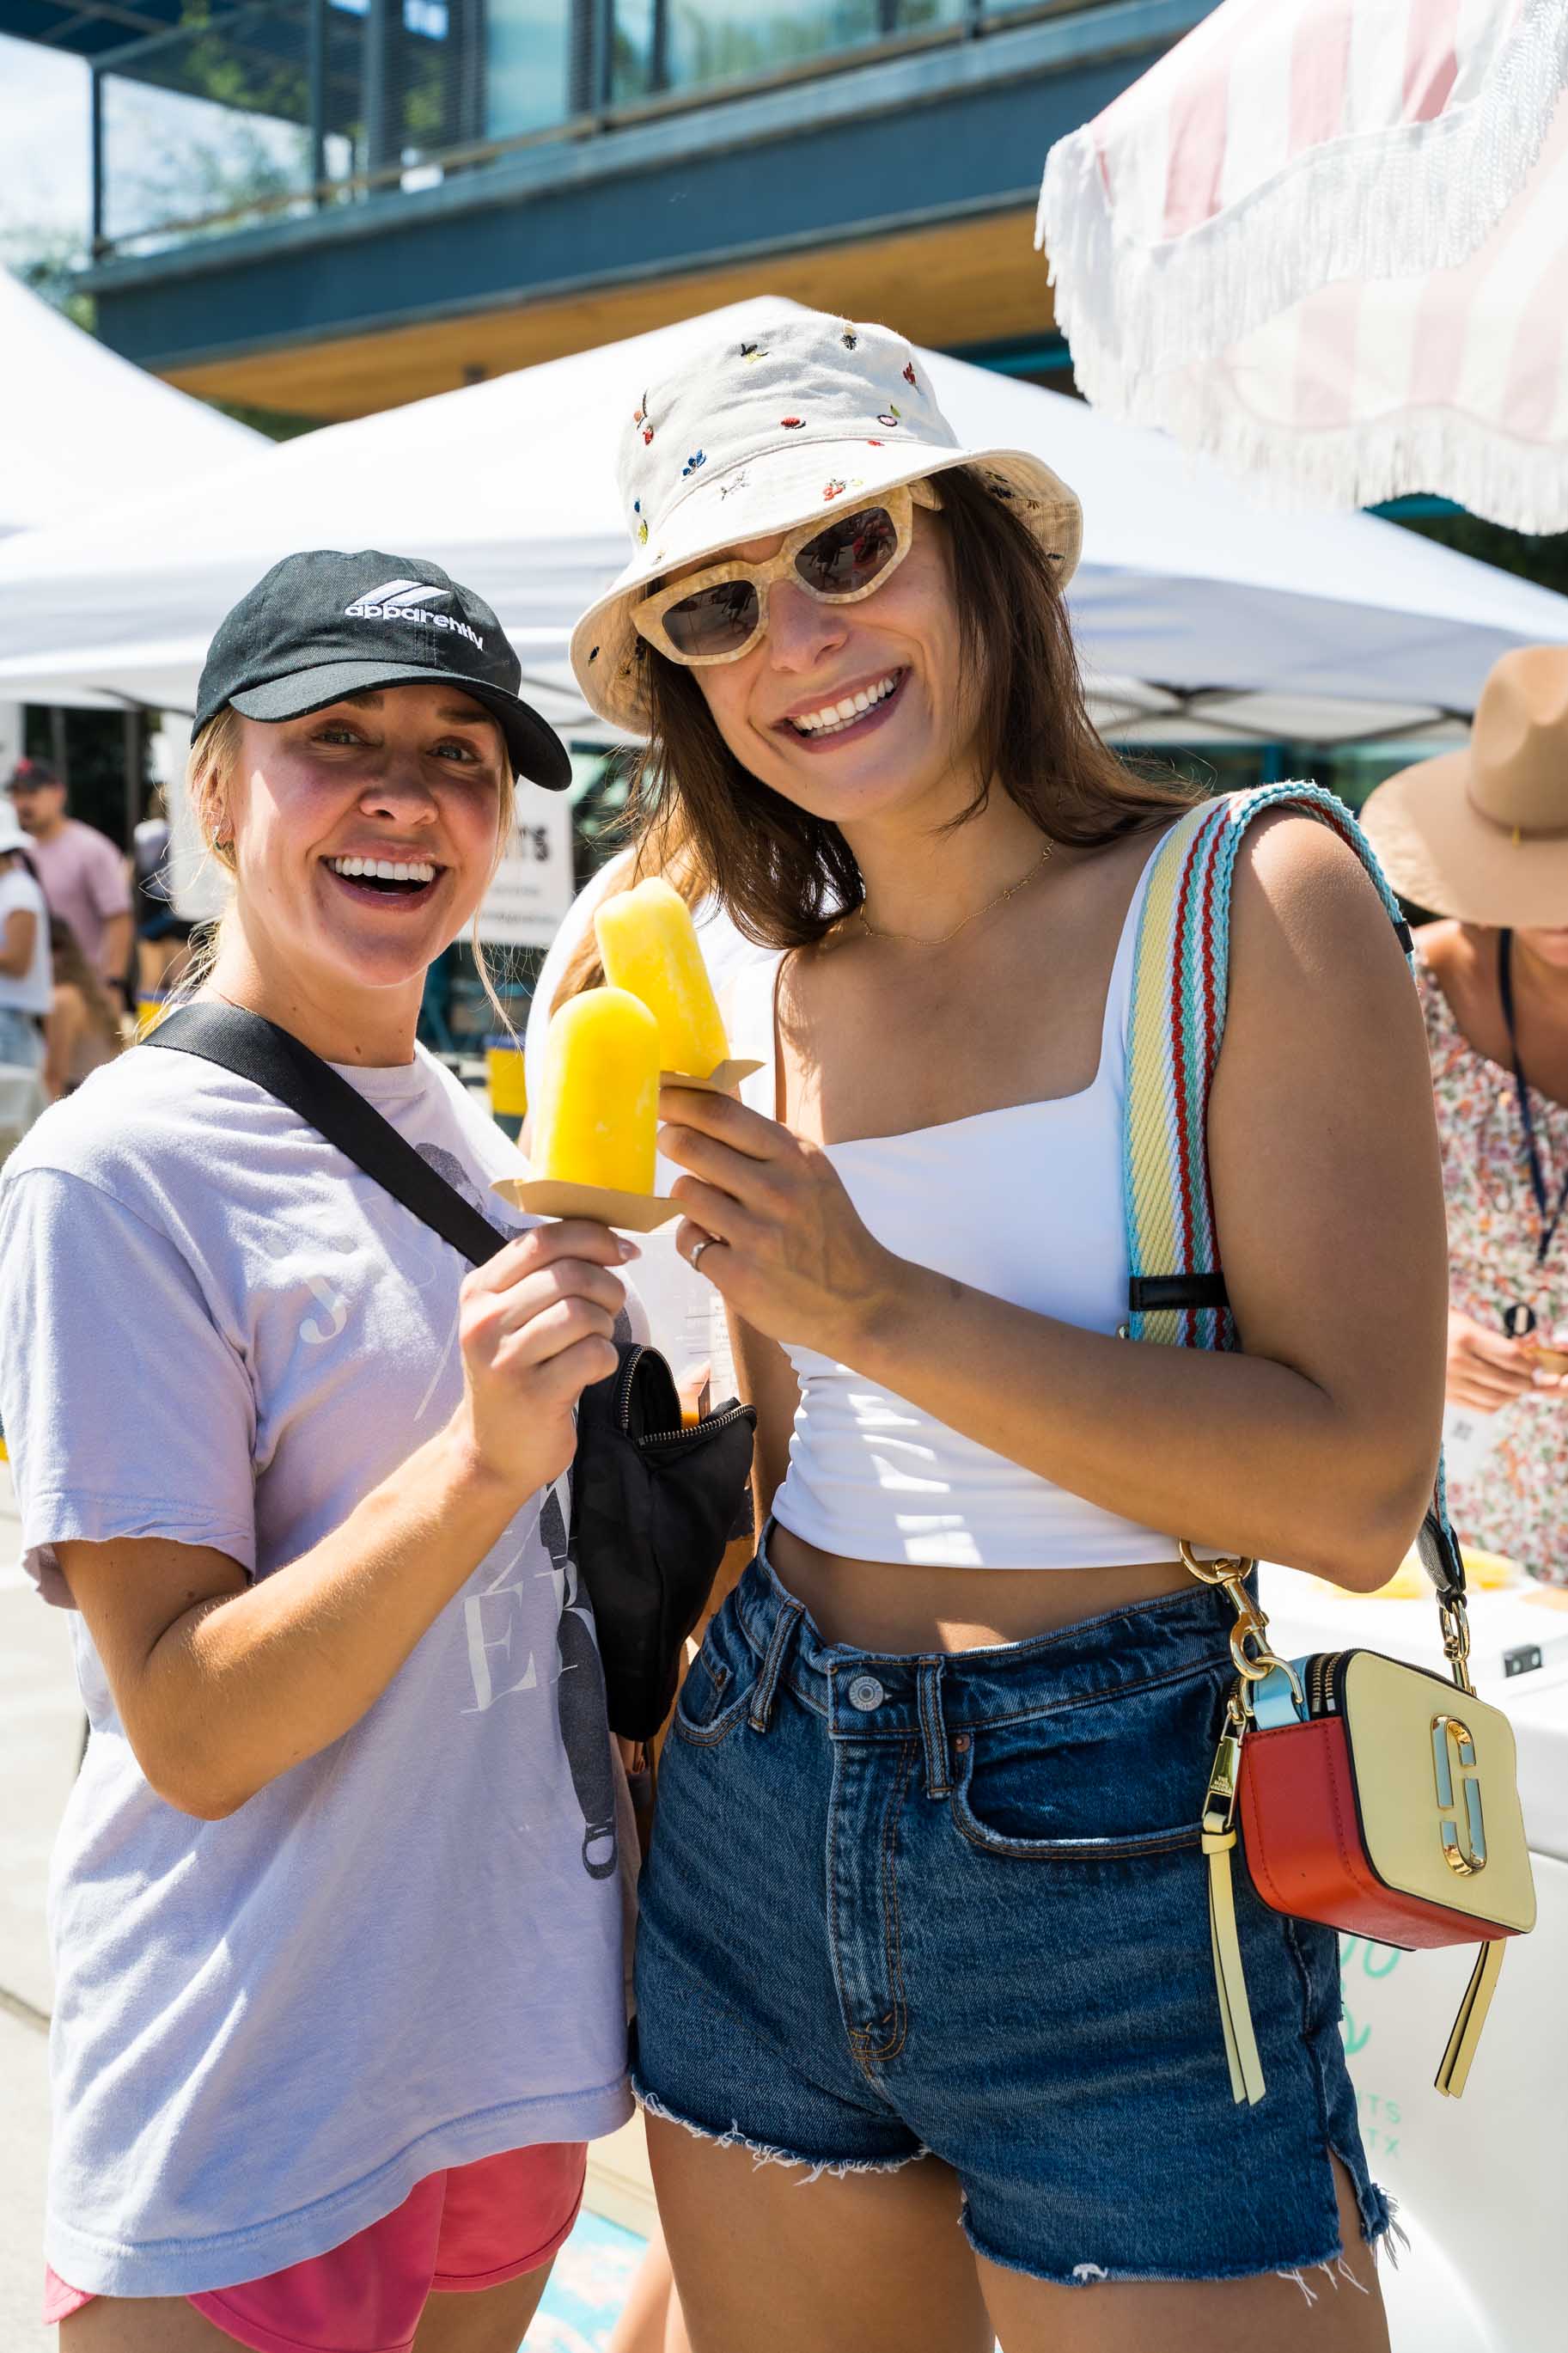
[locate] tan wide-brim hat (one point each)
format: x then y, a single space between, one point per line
760 434
1482 833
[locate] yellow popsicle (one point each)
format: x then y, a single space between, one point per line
600 1097
648 942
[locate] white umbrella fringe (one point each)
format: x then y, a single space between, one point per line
1479 466
1401 202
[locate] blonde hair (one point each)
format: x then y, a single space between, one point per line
212 771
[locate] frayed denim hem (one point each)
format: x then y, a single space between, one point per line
1385 2241
761 2153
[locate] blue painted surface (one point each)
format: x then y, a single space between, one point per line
588 2288
79 30
1417 506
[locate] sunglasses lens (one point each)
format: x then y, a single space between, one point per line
718 620
849 554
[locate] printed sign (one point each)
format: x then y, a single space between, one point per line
533 889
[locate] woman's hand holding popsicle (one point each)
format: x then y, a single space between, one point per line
537 1326
788 1250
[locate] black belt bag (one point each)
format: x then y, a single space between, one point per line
654 1501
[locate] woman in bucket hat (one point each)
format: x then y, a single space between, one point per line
335 1904
1479 838
924 1938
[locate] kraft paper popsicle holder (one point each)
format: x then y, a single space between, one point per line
636 1213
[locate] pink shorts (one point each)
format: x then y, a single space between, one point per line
456 2232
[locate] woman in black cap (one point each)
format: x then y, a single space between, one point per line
335 1906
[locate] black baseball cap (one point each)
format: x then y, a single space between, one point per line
28 774
323 625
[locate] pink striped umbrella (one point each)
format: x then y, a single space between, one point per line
1326 241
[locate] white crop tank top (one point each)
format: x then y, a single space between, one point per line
1025 1203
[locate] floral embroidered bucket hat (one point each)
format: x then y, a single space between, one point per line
811 416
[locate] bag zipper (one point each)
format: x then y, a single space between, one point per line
700 1430
704 1428
1322 1697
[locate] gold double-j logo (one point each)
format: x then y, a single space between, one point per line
1461 1825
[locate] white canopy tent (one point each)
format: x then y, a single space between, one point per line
80 427
1198 614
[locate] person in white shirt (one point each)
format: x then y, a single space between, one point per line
336 1904
926 2035
26 980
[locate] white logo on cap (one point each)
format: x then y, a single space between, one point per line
404 600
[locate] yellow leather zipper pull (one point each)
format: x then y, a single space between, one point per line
1230 1978
1454 2072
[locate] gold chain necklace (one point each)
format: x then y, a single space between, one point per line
917 939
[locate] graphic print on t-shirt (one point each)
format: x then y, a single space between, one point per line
579 1678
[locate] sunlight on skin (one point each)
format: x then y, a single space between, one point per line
893 781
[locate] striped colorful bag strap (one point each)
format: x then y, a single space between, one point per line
1180 983
1176 1292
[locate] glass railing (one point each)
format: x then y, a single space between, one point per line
284 106
689 45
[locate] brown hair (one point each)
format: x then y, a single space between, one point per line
72 970
211 771
785 876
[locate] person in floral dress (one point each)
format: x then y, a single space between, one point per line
1482 838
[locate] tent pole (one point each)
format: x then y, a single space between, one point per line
130 722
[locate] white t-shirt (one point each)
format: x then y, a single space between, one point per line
685 1314
30 991
405 1953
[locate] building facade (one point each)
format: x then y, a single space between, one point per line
326 208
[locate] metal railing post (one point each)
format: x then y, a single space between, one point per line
382 95
471 70
604 62
316 57
97 137
580 76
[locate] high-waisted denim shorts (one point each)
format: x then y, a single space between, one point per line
956 1905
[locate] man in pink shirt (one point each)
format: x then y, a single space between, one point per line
82 873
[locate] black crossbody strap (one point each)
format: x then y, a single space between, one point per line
255 1048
